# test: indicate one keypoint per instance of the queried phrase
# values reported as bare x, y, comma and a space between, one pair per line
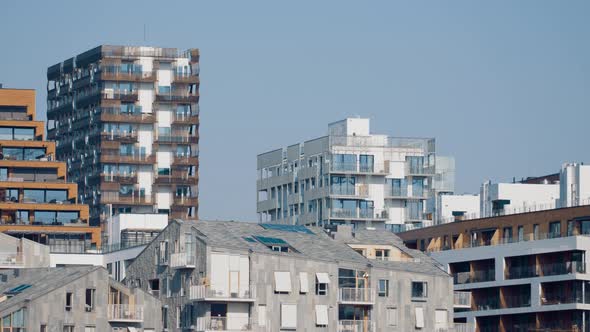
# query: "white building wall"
465, 203
522, 196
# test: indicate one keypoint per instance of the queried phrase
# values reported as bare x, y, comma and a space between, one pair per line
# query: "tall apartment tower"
349, 177
126, 120
36, 202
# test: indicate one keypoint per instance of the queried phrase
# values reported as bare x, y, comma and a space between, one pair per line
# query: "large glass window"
44, 196
342, 185
554, 229
44, 217
5, 133
24, 134
416, 164
23, 153
419, 289
417, 187
414, 210
343, 208
397, 187
67, 217
366, 163
34, 196
344, 162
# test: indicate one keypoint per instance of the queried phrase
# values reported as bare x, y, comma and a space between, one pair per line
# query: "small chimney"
343, 233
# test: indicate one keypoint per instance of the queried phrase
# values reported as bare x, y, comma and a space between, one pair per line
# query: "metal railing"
356, 326
464, 327
364, 295
380, 168
517, 301
570, 267
9, 259
125, 312
462, 299
182, 259
199, 292
475, 276
220, 323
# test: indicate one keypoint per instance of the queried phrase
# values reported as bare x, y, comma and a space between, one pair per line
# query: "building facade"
235, 276
349, 177
74, 299
36, 201
126, 120
521, 272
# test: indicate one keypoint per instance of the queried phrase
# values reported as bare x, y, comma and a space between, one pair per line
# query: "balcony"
122, 136
363, 296
186, 78
359, 214
223, 324
462, 299
185, 119
206, 293
475, 276
10, 260
126, 96
176, 178
464, 327
358, 168
519, 272
114, 114
119, 178
177, 97
357, 191
356, 326
114, 73
183, 260
416, 170
181, 138
125, 313
185, 161
134, 198
135, 157
563, 268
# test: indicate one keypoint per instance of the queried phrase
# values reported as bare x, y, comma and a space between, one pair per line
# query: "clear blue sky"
504, 86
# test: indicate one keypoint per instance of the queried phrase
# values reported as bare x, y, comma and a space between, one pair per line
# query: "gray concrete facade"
74, 299
200, 292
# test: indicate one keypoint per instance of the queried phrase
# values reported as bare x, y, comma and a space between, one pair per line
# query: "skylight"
275, 244
288, 228
18, 289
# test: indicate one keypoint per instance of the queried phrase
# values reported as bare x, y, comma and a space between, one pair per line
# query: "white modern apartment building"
574, 180
506, 198
352, 177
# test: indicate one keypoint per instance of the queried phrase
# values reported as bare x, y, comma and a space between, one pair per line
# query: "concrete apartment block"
74, 299
228, 276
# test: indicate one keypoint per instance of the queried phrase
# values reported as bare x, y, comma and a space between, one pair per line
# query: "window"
440, 319
178, 310
282, 282
43, 328
90, 293
68, 328
366, 163
419, 313
554, 229
382, 254
383, 289
392, 316
303, 283
507, 234
90, 329
288, 316
69, 301
520, 233
322, 281
536, 231
262, 315
165, 317
321, 315
14, 322
419, 289
154, 285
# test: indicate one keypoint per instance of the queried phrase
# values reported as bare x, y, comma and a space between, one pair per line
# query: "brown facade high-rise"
36, 202
126, 119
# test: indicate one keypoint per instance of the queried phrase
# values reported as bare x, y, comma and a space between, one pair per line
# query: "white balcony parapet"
356, 326
462, 299
182, 260
207, 293
356, 295
125, 313
223, 324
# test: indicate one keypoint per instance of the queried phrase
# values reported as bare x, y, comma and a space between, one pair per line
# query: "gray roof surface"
42, 281
316, 246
